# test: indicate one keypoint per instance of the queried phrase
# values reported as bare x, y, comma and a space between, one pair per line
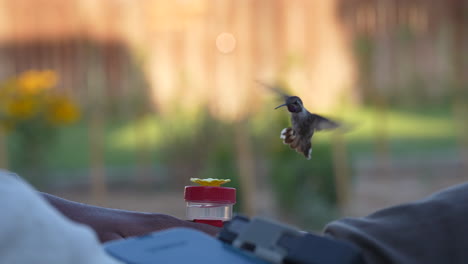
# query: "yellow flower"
33, 82
7, 88
21, 108
6, 125
61, 110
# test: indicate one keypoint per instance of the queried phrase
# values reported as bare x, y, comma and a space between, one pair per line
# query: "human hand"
117, 224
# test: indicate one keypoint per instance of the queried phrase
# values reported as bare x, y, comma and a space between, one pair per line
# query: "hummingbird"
304, 124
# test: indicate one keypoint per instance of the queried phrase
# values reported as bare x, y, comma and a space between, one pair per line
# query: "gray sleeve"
432, 230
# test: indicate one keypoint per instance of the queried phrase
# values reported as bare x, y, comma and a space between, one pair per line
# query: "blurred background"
120, 102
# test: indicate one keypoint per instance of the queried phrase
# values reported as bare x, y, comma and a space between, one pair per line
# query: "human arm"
431, 230
110, 224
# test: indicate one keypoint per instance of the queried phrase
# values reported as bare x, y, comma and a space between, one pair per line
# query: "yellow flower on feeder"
210, 181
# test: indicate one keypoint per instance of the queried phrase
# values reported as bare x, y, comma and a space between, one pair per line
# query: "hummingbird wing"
274, 88
322, 123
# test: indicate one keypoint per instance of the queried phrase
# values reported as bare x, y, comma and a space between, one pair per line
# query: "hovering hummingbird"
304, 124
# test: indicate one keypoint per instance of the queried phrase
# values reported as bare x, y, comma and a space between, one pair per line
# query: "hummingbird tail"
306, 149
309, 153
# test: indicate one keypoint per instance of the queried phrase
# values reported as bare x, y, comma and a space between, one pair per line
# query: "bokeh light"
226, 42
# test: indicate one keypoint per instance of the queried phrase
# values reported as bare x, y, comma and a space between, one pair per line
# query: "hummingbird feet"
289, 137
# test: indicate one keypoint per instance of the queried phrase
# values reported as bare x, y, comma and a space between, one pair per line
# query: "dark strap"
280, 243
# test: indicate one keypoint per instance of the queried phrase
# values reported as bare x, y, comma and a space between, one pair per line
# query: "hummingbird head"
293, 103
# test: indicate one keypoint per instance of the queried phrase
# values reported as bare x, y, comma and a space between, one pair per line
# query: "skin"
110, 224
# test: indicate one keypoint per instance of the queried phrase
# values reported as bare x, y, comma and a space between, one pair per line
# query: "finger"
208, 229
108, 236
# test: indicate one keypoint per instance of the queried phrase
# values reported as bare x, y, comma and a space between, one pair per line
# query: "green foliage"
300, 182
290, 172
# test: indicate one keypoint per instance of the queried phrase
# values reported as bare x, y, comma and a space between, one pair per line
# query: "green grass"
408, 132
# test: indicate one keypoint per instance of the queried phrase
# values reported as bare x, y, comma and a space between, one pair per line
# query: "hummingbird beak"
281, 106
